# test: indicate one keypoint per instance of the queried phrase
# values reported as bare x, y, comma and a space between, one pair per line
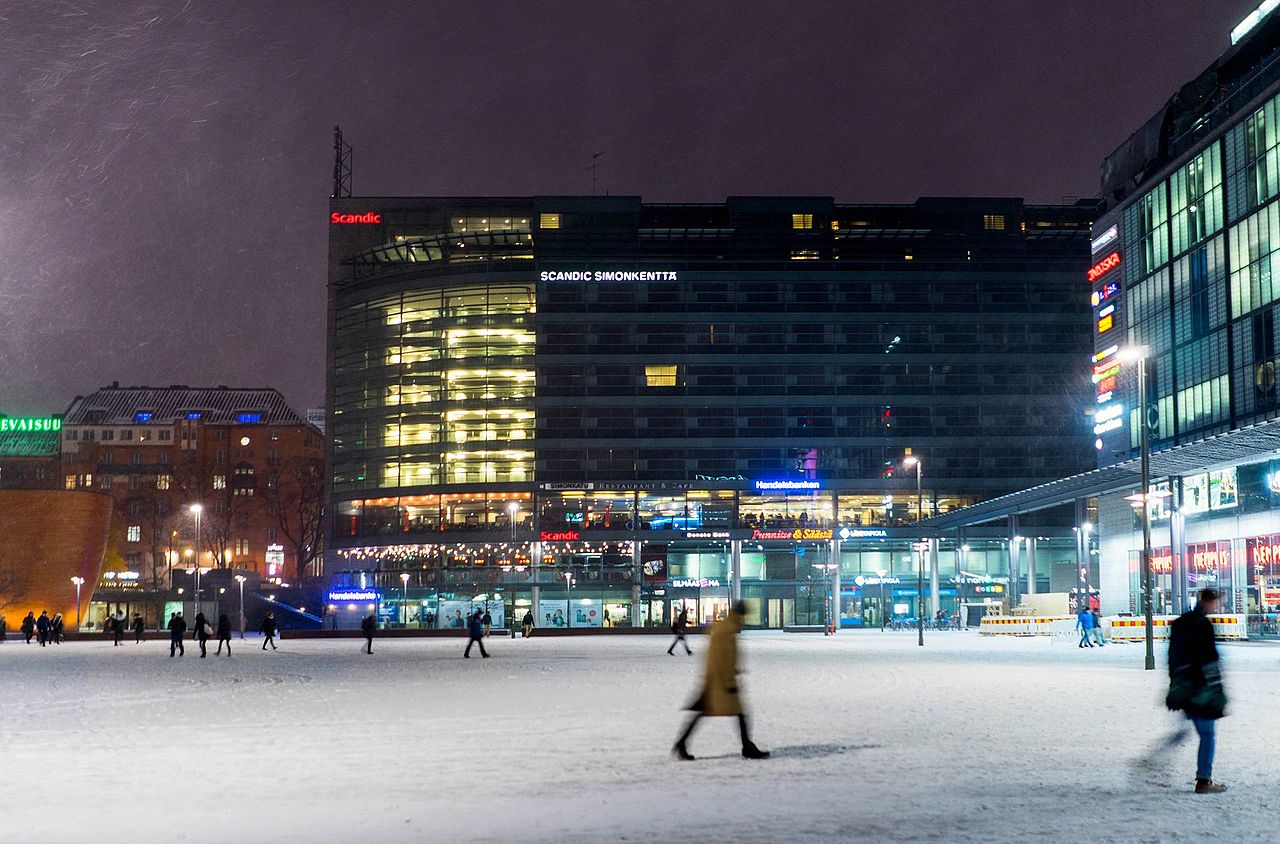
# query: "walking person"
29, 627
268, 631
1084, 623
527, 623
118, 626
177, 629
224, 634
56, 627
202, 634
139, 627
476, 635
678, 627
1195, 683
1097, 627
488, 622
42, 628
720, 695
367, 626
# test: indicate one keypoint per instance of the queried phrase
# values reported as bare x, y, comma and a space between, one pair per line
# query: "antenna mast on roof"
341, 164
595, 162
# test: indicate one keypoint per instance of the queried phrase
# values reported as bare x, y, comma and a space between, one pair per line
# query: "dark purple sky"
165, 168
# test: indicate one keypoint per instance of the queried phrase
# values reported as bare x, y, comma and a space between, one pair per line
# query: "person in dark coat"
268, 631
476, 635
224, 633
42, 627
720, 695
201, 634
368, 626
29, 627
56, 627
527, 623
679, 627
488, 622
1195, 682
117, 626
139, 627
177, 629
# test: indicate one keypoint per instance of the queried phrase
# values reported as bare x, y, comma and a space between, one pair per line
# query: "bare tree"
13, 586
294, 492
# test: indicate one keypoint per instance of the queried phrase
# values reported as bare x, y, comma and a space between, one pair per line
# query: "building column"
637, 572
1014, 563
935, 603
735, 570
833, 623
1031, 565
1178, 549
536, 553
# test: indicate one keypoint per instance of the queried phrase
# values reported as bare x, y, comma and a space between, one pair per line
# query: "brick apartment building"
252, 464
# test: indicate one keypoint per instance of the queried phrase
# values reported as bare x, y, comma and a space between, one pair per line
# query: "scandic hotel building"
606, 410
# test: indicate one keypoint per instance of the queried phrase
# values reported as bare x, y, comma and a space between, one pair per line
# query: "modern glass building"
603, 410
1185, 270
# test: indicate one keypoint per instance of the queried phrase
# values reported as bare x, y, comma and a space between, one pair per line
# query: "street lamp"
915, 461
196, 510
568, 599
78, 581
1138, 355
404, 580
240, 579
513, 509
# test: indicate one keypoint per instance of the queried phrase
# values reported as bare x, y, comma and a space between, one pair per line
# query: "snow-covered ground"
567, 740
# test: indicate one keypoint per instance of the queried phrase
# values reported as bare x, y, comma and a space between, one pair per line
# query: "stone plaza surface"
568, 740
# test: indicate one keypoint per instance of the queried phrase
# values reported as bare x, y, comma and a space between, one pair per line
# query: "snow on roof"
117, 405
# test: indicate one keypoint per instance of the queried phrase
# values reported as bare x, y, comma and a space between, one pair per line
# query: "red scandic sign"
559, 536
1104, 266
337, 217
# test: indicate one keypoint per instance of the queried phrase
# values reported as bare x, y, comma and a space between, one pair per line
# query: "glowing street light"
78, 581
196, 510
404, 580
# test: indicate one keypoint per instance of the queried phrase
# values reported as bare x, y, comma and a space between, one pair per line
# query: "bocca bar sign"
339, 218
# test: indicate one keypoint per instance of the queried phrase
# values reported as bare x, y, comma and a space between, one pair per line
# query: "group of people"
1089, 625
44, 629
204, 631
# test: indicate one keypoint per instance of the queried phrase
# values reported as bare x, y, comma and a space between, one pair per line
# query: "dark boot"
1209, 787
750, 751
682, 752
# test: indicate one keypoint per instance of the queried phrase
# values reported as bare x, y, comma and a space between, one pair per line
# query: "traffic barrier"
1134, 628
1010, 625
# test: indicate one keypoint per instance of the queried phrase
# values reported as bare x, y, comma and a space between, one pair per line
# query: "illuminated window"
993, 222
548, 221
70, 482
134, 534
660, 375
219, 481
801, 221
162, 481
804, 255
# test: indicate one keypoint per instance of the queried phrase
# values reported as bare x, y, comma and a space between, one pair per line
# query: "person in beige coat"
720, 695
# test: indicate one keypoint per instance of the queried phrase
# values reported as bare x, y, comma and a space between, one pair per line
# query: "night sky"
165, 168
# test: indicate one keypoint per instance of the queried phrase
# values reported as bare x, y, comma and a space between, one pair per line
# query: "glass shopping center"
604, 411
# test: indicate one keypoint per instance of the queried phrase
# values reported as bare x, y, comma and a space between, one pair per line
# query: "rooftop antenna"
341, 164
595, 162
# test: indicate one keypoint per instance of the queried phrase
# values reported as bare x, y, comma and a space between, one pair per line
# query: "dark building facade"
601, 409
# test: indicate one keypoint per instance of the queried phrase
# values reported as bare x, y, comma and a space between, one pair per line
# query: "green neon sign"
30, 424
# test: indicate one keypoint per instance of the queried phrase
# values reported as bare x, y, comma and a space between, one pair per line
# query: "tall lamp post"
881, 573
240, 579
404, 580
915, 461
78, 581
196, 510
513, 509
1138, 354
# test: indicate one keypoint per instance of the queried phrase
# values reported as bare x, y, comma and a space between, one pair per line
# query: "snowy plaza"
568, 739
